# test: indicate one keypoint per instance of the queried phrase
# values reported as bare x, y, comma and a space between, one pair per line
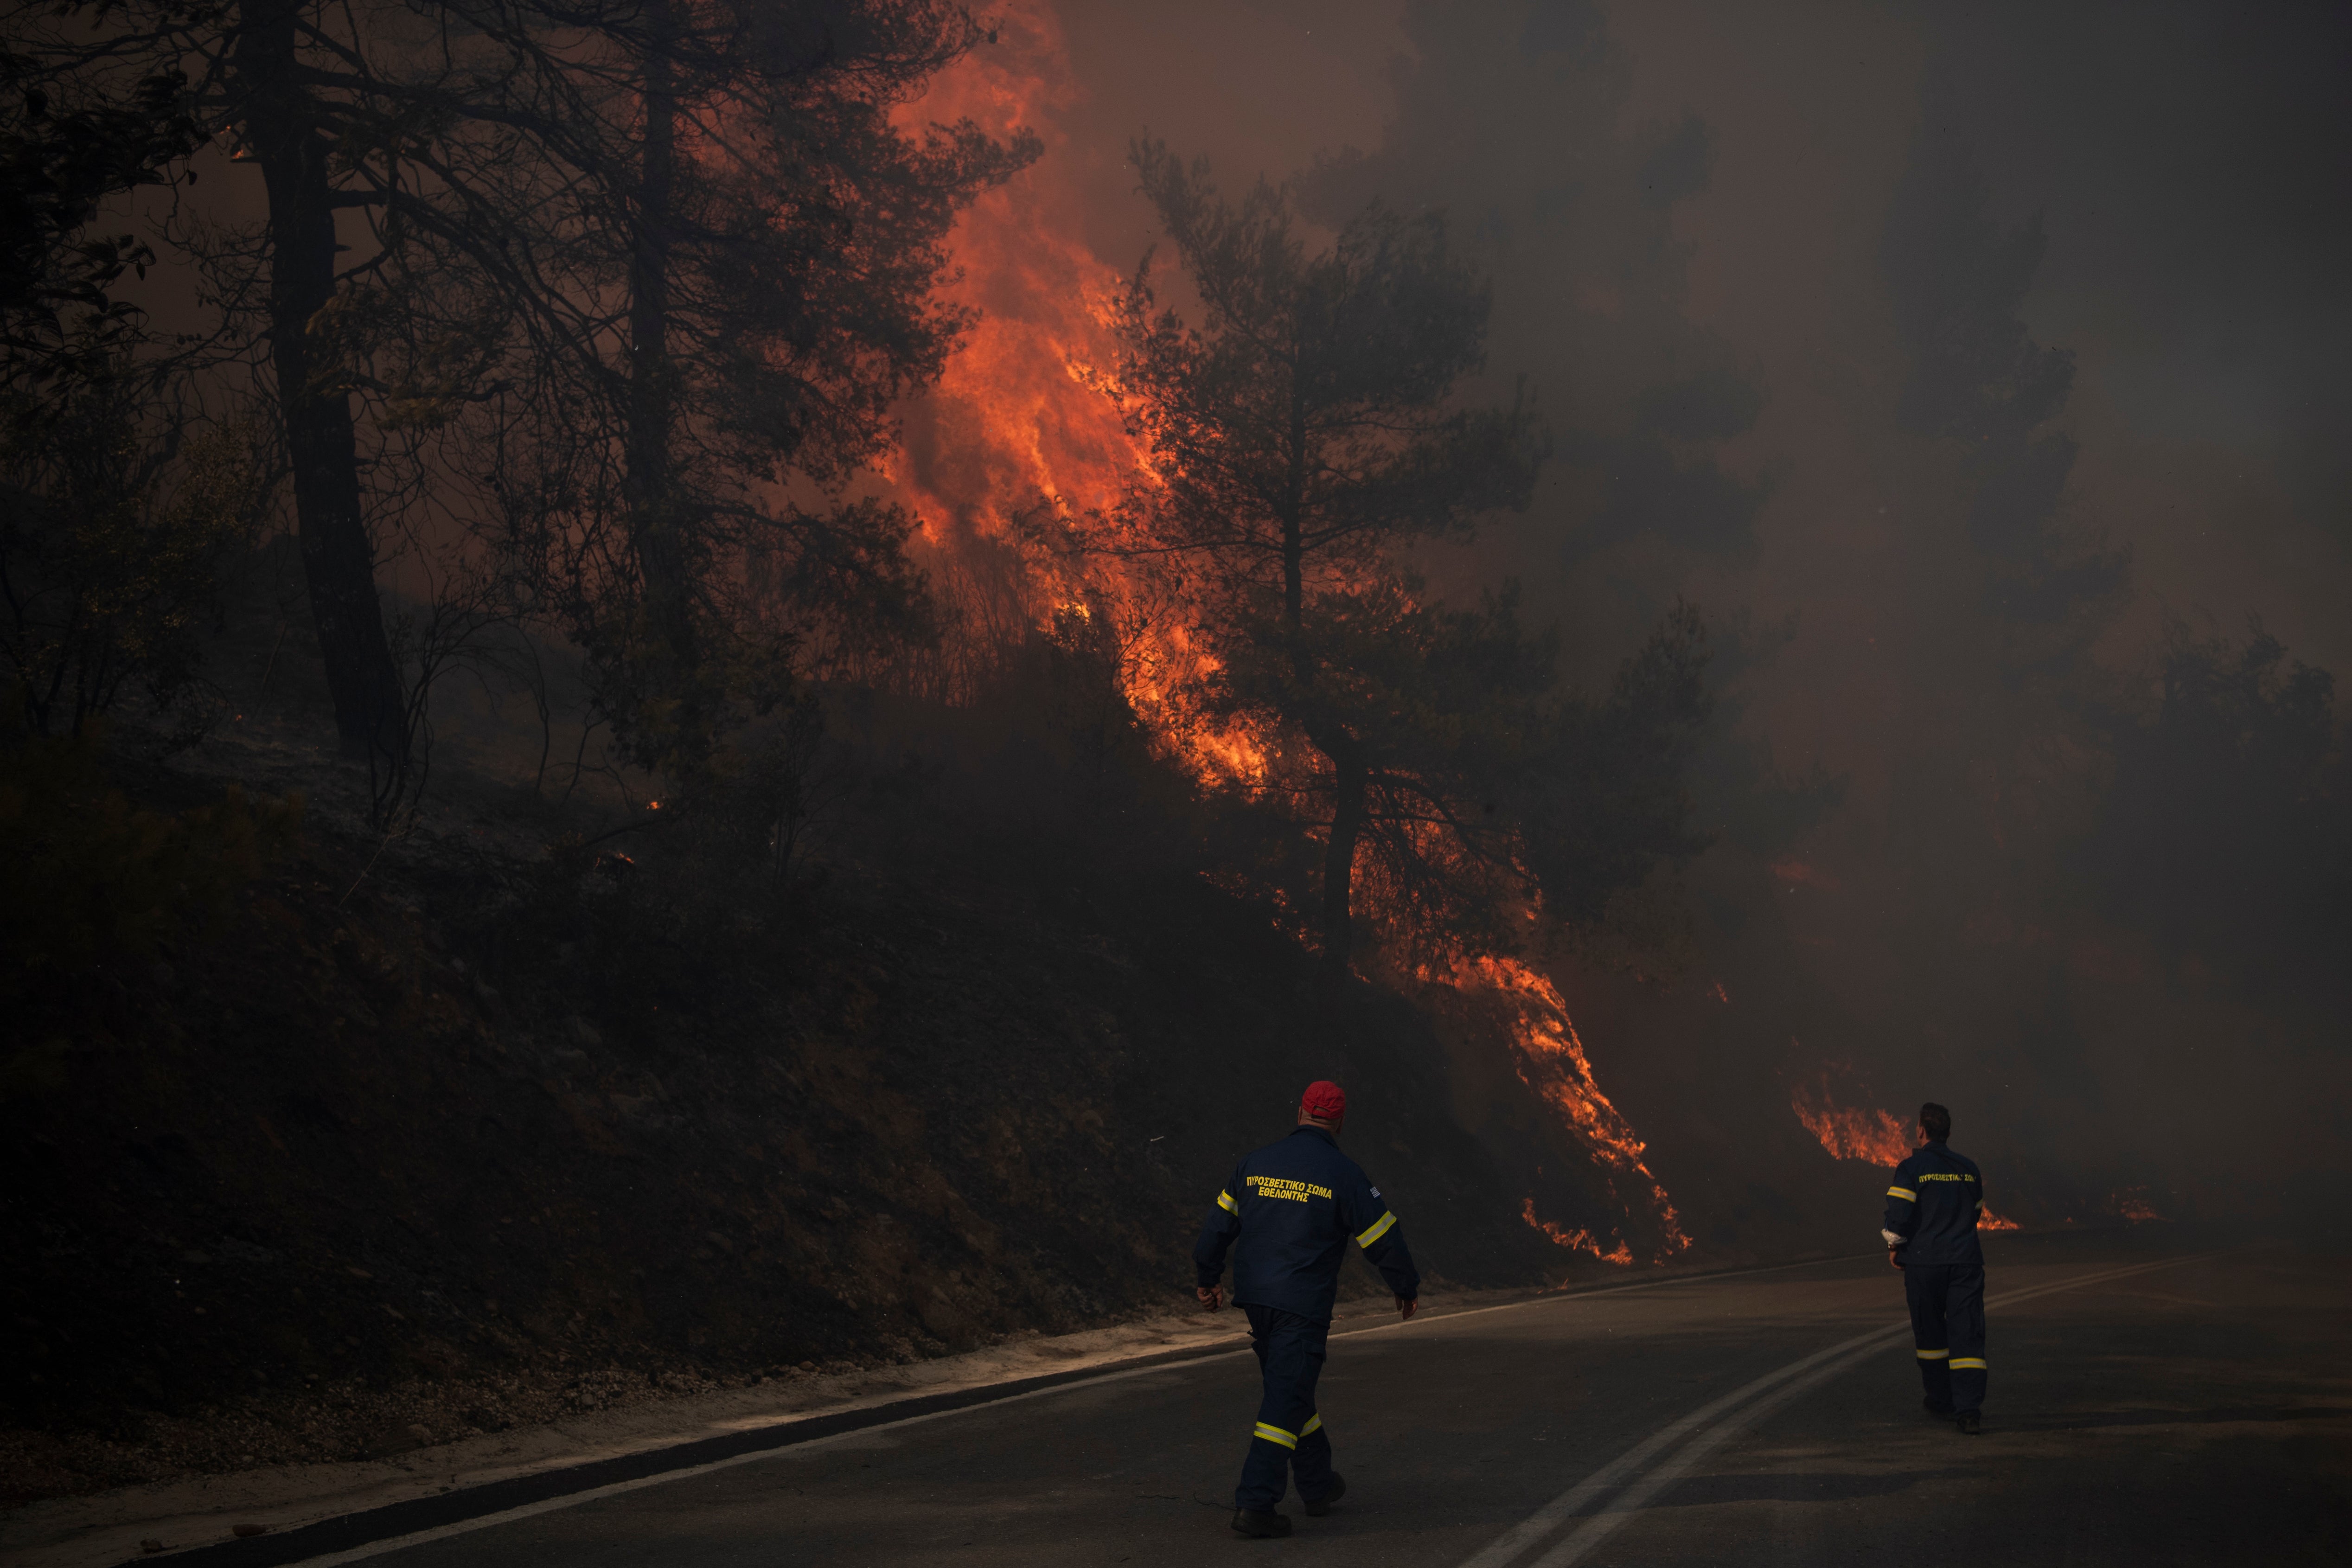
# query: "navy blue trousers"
1289, 1442
1947, 1328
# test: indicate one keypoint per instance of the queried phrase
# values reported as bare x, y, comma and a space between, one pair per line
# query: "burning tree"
1298, 442
730, 184
604, 299
702, 256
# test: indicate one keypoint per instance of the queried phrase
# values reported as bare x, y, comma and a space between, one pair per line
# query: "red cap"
1324, 1101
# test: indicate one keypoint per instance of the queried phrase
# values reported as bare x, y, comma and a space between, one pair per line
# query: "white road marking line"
1547, 1519
572, 1500
1639, 1495
1745, 1406
1560, 1299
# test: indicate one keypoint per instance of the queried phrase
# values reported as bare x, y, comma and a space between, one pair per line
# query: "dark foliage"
1978, 379
61, 157
1511, 119
113, 537
87, 878
2228, 829
1302, 437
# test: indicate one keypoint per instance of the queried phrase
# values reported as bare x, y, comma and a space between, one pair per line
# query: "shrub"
85, 876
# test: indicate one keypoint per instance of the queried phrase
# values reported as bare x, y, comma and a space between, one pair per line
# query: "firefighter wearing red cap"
1293, 1206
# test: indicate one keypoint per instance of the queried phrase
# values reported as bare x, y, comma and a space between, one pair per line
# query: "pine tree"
1302, 439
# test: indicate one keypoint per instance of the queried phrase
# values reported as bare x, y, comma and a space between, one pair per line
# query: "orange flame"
1013, 422
1575, 1241
1009, 420
1849, 1134
2132, 1207
1553, 1064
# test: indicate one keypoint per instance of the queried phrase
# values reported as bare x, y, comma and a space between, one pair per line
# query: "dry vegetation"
477, 1125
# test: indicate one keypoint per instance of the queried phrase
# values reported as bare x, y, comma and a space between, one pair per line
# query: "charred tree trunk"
1339, 859
323, 450
1328, 736
655, 525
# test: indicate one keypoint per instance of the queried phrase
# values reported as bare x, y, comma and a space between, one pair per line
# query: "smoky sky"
2190, 161
1686, 207
2187, 163
2180, 159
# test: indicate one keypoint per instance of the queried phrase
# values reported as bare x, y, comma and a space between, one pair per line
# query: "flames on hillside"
1849, 1132
1553, 1063
1865, 1133
1013, 431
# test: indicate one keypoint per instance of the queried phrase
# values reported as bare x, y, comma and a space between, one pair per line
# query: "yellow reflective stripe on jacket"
1959, 1362
1276, 1435
1906, 1194
1935, 1355
1225, 1201
1379, 1228
1314, 1424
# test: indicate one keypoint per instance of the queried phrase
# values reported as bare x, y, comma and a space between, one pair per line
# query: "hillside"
455, 1132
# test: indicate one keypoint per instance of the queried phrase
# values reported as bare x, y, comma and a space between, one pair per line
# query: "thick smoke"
1971, 369
1514, 121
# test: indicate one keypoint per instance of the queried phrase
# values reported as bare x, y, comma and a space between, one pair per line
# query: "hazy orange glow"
2132, 1207
1848, 1132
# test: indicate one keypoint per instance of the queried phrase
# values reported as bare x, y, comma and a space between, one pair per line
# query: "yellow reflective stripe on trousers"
1906, 1194
1276, 1435
1379, 1228
1225, 1201
1962, 1362
1314, 1424
1935, 1355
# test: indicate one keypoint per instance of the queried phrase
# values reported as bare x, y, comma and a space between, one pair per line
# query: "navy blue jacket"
1295, 1206
1933, 1206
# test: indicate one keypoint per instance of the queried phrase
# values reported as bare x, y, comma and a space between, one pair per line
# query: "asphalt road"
2150, 1405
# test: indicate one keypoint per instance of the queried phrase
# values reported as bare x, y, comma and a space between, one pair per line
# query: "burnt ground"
443, 1135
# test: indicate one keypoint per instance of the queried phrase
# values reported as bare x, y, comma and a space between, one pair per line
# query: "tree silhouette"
1301, 438
614, 287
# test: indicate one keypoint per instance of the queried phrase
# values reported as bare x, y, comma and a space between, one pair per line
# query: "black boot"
1967, 1422
1941, 1412
1261, 1521
1317, 1507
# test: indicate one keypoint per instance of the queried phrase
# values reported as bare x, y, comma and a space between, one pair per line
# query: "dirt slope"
441, 1138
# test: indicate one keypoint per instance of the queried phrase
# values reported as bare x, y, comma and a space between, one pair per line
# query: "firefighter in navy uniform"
1931, 1235
1295, 1206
